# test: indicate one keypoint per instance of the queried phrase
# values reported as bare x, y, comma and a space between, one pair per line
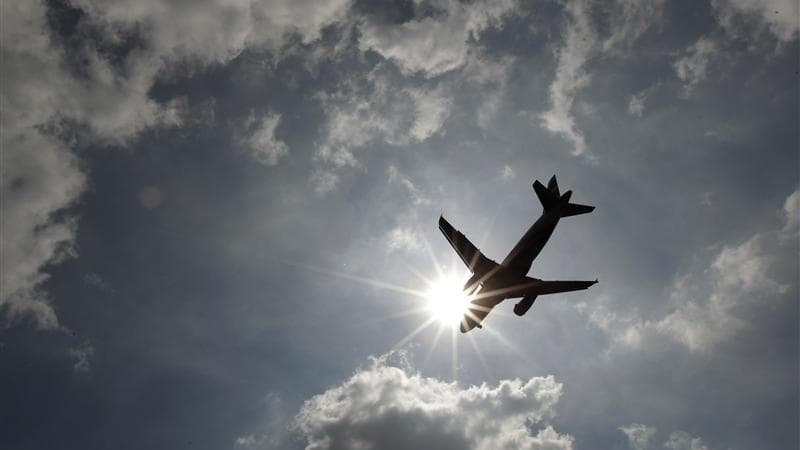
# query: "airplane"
491, 283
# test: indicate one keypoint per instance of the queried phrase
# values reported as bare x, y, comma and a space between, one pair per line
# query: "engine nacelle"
524, 305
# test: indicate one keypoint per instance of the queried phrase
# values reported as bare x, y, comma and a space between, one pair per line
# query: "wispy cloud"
638, 435
692, 68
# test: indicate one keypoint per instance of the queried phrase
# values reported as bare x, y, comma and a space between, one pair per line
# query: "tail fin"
552, 186
547, 198
551, 198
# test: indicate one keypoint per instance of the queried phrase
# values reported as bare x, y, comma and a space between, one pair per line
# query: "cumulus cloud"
692, 68
436, 43
638, 435
261, 142
681, 440
389, 407
710, 305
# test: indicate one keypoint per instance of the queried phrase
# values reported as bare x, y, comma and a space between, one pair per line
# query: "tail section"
551, 199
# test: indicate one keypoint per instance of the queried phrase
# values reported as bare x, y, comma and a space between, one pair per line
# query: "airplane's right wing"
472, 257
542, 287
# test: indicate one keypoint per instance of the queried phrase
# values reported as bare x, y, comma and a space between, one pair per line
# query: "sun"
446, 301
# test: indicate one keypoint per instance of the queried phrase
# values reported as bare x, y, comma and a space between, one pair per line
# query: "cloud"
90, 82
405, 239
638, 435
692, 68
431, 108
98, 282
261, 141
323, 181
507, 173
629, 21
376, 109
779, 16
81, 357
416, 195
791, 214
571, 76
711, 304
437, 43
681, 440
389, 407
636, 103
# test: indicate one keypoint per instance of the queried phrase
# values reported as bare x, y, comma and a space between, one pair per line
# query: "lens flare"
446, 301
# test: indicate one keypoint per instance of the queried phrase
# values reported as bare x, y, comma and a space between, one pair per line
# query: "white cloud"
693, 67
629, 20
324, 181
45, 92
791, 214
405, 239
507, 173
681, 440
709, 306
81, 356
434, 44
638, 435
636, 103
571, 76
779, 16
431, 108
374, 109
391, 408
261, 141
417, 197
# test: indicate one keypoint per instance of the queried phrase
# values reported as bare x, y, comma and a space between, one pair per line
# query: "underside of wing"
542, 287
472, 257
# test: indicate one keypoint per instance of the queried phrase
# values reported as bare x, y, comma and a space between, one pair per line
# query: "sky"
219, 223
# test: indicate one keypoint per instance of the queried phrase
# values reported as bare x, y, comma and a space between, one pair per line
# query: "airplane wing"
472, 257
477, 310
542, 287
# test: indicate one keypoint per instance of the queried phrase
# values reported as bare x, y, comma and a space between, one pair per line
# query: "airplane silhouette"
491, 283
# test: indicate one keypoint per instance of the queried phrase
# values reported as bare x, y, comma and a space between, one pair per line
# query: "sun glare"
446, 301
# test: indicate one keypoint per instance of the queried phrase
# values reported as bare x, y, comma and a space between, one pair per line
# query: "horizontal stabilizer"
573, 209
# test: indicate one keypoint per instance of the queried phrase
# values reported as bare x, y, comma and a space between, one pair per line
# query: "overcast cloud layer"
214, 217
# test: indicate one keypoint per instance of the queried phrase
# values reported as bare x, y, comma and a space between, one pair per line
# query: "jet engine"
524, 305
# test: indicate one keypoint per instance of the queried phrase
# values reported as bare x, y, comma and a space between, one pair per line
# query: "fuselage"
508, 279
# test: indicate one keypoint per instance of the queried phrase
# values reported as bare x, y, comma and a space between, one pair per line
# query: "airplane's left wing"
472, 257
